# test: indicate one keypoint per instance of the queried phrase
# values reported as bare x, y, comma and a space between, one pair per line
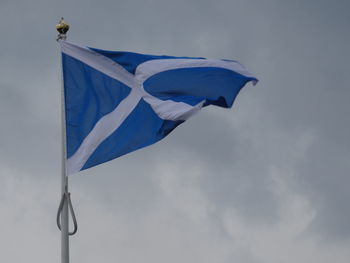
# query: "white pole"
64, 188
62, 28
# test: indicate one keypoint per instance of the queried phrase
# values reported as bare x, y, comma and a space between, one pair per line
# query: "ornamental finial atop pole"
62, 27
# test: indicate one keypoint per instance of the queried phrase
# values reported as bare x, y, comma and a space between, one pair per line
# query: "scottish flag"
118, 102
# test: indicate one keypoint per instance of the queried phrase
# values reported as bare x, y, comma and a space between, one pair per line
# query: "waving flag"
118, 102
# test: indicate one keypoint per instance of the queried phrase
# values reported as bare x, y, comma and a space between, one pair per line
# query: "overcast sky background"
267, 181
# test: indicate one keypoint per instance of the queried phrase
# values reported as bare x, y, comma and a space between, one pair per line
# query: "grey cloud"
257, 183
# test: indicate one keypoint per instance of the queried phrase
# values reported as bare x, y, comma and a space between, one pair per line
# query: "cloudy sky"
266, 181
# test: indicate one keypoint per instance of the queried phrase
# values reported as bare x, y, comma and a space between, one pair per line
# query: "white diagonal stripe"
100, 63
103, 128
149, 68
171, 110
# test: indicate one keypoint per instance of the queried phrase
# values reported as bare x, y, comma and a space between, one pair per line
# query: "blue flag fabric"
118, 102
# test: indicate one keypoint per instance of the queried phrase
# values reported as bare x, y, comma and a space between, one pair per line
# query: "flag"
118, 102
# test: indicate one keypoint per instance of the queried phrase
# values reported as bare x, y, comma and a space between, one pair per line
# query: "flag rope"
66, 196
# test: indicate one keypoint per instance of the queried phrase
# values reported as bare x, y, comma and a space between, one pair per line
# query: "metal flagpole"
65, 204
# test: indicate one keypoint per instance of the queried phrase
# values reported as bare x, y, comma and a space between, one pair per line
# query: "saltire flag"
118, 102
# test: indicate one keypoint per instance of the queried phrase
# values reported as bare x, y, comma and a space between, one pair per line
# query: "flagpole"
62, 28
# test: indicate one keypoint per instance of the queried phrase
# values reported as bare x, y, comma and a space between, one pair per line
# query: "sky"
264, 182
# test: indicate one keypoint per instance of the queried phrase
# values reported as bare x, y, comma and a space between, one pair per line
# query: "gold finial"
62, 27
